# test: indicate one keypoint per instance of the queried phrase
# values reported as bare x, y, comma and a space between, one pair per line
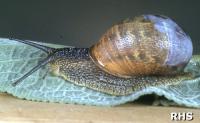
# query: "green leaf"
16, 59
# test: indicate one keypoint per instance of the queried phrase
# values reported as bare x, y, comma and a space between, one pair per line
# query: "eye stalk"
46, 49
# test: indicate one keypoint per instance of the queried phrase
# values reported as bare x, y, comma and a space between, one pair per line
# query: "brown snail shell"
145, 45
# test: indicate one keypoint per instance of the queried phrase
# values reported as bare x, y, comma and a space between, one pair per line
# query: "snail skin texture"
147, 50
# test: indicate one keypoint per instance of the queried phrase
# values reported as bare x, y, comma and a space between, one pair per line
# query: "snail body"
145, 51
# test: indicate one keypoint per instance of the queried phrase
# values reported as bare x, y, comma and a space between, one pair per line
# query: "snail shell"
145, 45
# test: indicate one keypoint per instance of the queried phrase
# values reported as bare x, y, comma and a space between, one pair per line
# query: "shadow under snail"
147, 50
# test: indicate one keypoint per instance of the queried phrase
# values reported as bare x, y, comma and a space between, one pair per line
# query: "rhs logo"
181, 116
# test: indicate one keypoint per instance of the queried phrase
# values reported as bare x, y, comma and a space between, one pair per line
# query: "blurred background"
80, 23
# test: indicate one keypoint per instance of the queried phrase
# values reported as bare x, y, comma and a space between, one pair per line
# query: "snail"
147, 50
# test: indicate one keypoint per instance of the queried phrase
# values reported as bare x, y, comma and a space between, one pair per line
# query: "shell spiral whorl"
145, 45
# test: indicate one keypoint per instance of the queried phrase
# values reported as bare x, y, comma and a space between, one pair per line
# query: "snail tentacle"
37, 67
46, 49
49, 58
